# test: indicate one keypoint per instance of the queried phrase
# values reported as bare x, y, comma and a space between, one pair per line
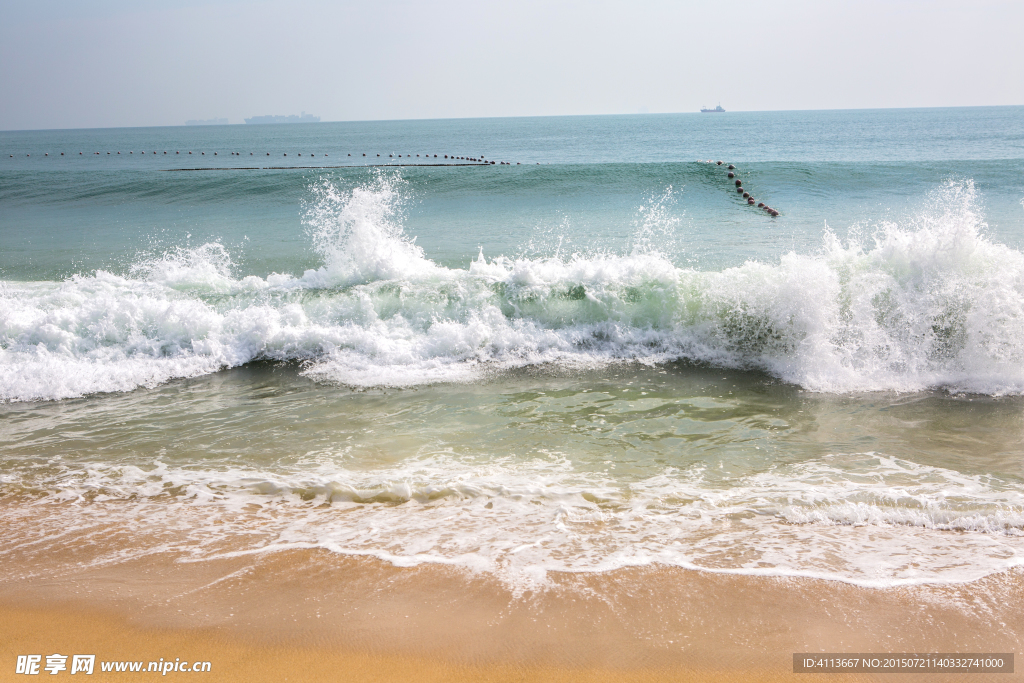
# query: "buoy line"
733, 172
289, 168
479, 160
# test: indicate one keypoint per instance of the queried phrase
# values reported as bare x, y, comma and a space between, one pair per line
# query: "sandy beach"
238, 659
314, 615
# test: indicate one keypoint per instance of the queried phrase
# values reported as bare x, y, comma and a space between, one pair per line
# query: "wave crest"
928, 305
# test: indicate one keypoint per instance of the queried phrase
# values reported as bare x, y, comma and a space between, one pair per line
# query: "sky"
106, 63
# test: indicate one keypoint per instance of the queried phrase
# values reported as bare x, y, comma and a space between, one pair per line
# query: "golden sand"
313, 615
77, 631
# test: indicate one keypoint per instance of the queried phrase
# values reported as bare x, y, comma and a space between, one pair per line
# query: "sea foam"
929, 304
866, 519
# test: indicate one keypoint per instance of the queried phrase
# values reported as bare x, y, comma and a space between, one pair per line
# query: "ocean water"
595, 355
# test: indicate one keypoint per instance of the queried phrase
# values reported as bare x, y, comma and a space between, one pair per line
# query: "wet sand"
238, 659
315, 615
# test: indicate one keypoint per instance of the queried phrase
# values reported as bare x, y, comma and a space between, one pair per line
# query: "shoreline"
263, 616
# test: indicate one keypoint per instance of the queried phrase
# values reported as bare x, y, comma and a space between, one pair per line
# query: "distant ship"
305, 118
705, 110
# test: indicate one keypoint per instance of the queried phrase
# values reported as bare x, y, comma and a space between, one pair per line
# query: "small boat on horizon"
716, 110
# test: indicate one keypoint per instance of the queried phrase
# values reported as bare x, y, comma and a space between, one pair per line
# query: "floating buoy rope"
750, 199
480, 159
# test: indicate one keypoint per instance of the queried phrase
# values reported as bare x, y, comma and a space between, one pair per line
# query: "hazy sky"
70, 64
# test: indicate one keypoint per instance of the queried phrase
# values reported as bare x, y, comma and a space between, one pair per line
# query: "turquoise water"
596, 355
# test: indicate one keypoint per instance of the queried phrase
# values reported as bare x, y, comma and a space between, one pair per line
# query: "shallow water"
532, 471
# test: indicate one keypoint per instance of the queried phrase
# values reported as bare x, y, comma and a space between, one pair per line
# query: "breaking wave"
932, 304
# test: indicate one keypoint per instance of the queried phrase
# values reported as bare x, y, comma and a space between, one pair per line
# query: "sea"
523, 346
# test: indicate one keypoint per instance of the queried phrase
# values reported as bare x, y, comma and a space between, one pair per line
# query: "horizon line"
531, 116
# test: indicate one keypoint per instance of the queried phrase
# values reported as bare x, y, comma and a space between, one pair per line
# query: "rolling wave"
927, 305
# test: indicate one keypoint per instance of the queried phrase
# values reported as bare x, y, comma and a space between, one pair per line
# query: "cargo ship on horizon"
304, 118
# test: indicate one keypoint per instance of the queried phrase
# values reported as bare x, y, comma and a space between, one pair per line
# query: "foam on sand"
865, 519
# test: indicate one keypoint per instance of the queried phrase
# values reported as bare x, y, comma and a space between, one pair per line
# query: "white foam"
866, 519
359, 234
923, 306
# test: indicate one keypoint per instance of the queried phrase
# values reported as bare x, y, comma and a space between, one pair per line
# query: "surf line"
746, 195
289, 168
